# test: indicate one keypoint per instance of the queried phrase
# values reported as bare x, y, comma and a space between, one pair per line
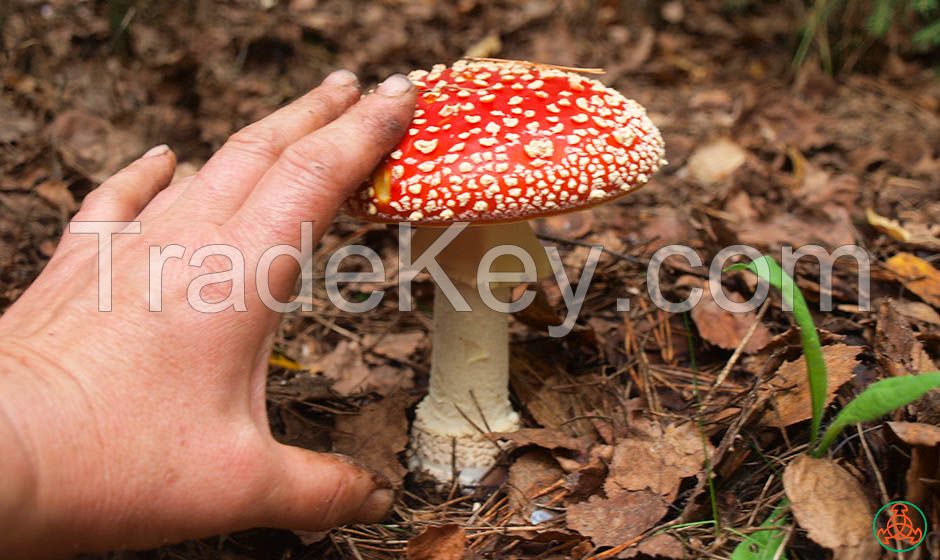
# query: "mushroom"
495, 144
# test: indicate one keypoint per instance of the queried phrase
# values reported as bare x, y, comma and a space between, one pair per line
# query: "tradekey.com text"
241, 280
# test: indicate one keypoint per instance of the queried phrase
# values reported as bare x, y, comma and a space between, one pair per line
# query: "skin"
132, 428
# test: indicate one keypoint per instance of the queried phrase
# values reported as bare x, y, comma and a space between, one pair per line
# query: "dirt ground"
620, 411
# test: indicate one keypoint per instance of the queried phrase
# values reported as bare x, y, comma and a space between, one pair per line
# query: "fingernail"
376, 506
394, 85
341, 78
156, 151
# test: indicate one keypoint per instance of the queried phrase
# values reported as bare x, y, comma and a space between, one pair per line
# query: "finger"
226, 179
317, 173
318, 491
124, 195
164, 200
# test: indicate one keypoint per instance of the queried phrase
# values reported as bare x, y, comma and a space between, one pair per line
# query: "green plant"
842, 30
767, 269
878, 399
764, 543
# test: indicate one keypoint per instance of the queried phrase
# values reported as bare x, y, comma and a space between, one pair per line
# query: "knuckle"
322, 104
256, 140
313, 162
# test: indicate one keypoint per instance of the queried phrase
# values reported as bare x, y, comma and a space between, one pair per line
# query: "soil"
760, 152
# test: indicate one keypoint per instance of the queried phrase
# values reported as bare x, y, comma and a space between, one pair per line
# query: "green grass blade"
763, 545
879, 399
767, 269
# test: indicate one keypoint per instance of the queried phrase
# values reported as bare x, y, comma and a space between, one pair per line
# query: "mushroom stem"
469, 390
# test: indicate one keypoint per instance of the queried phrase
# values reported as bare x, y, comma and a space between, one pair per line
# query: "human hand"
133, 428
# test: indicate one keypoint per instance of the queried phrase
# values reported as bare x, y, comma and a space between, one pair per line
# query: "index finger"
316, 174
224, 182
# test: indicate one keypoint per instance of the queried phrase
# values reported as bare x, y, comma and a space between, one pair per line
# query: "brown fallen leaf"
790, 402
658, 546
397, 346
918, 276
446, 542
585, 479
924, 467
570, 225
918, 311
351, 375
902, 232
530, 478
618, 518
896, 346
542, 437
786, 229
376, 435
716, 161
57, 193
91, 145
916, 433
830, 505
724, 328
899, 352
658, 460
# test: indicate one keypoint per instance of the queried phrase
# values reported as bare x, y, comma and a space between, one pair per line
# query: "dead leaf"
658, 460
446, 542
899, 352
542, 437
925, 458
585, 479
568, 225
351, 375
896, 347
909, 233
91, 145
57, 193
918, 276
376, 436
529, 477
919, 311
831, 506
397, 346
714, 162
916, 433
777, 230
887, 226
622, 516
659, 546
724, 328
791, 401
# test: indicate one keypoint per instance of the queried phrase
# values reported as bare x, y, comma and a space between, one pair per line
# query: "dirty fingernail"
340, 78
376, 506
396, 84
156, 151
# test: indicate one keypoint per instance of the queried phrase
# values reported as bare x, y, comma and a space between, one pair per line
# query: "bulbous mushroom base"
443, 456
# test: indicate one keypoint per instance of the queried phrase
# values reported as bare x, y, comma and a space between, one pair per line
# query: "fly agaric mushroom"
496, 143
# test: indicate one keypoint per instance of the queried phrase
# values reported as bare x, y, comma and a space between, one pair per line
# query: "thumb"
317, 491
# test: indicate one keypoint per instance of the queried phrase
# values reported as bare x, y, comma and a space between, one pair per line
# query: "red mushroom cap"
503, 141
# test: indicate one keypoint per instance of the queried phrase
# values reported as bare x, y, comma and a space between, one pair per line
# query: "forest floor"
650, 434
